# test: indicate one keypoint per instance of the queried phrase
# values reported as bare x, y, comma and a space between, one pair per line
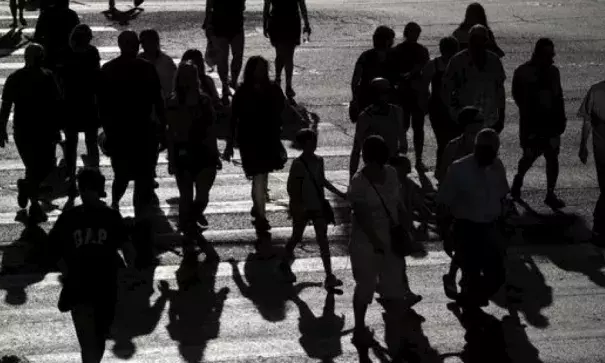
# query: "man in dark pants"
224, 23
592, 111
473, 195
408, 59
86, 240
539, 96
130, 92
35, 94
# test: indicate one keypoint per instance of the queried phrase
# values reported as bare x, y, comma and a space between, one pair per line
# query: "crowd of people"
145, 103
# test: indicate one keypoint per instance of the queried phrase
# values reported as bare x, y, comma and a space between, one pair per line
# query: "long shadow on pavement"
264, 287
491, 340
405, 338
25, 257
195, 308
320, 335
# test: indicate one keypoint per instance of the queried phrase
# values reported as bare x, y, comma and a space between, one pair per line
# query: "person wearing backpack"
193, 150
306, 183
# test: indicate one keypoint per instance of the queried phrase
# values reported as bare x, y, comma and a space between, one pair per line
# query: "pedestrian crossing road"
240, 312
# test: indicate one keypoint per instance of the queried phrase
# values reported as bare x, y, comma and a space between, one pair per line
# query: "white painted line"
303, 265
226, 207
337, 151
102, 50
107, 50
26, 16
96, 29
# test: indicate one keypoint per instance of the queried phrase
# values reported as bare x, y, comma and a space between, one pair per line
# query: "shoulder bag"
402, 243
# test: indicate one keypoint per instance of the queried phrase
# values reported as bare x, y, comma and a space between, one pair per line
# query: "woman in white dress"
373, 262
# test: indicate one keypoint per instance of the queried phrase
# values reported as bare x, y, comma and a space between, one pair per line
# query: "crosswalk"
248, 331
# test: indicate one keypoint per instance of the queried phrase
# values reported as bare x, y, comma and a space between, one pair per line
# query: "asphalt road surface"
244, 314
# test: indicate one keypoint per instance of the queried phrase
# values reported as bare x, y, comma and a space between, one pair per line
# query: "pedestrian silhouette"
475, 15
53, 31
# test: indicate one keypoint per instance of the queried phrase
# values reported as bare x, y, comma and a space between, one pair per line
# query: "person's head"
471, 120
383, 38
487, 145
195, 56
34, 55
187, 83
91, 184
475, 14
128, 41
381, 90
80, 37
307, 140
256, 71
412, 31
478, 37
544, 52
60, 4
375, 151
150, 41
448, 47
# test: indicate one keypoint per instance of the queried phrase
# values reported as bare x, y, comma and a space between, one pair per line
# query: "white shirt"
473, 193
466, 85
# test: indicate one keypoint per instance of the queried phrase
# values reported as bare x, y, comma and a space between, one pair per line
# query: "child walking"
306, 183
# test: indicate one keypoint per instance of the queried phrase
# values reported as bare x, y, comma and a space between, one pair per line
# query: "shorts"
547, 146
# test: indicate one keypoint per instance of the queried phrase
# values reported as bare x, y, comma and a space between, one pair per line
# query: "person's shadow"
12, 41
519, 347
265, 288
28, 257
297, 117
195, 308
405, 338
320, 336
135, 316
123, 18
485, 339
526, 290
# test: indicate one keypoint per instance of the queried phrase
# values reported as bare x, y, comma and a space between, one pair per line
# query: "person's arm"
40, 28
326, 183
585, 112
305, 16
294, 184
446, 197
500, 97
427, 75
56, 245
5, 109
518, 88
561, 117
208, 16
158, 100
450, 87
266, 16
360, 129
493, 45
401, 131
357, 74
446, 160
233, 123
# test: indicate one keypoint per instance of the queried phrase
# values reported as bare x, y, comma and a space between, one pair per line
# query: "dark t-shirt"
372, 65
53, 30
129, 90
80, 77
35, 94
88, 239
406, 56
228, 17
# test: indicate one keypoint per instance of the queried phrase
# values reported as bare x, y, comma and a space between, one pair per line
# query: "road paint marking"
96, 29
225, 269
327, 151
26, 16
102, 50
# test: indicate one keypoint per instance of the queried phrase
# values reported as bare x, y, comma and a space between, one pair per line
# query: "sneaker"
22, 20
37, 215
554, 202
22, 199
332, 282
138, 3
202, 221
14, 24
290, 94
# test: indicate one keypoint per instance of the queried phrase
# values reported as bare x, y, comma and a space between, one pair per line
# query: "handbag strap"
386, 209
317, 189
